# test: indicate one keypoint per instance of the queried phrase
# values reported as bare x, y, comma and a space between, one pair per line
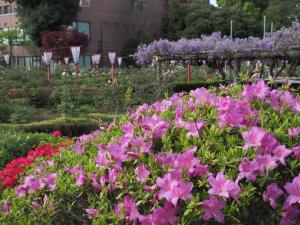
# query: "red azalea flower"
57, 134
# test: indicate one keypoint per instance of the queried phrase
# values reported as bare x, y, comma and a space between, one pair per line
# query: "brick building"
108, 23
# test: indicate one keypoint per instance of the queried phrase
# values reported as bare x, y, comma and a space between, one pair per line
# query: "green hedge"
68, 126
71, 127
187, 87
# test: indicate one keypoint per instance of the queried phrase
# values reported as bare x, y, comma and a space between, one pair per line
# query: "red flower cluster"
9, 175
57, 134
43, 151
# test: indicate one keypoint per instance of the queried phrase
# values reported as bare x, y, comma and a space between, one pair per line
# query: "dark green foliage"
38, 16
187, 87
192, 21
22, 114
130, 48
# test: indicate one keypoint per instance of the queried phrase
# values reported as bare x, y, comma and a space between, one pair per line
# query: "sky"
214, 2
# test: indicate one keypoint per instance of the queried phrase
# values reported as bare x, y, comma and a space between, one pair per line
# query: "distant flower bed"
228, 155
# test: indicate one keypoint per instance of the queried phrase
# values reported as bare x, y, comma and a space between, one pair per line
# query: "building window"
5, 9
85, 3
84, 27
1, 10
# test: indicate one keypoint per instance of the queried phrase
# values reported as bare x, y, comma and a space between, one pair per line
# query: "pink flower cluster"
37, 181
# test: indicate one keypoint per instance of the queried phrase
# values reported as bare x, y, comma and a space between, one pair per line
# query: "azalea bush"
229, 155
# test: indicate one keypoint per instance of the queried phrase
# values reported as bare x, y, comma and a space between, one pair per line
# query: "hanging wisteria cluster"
219, 46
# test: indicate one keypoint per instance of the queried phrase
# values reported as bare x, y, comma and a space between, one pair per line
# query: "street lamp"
112, 59
47, 57
76, 54
96, 61
6, 59
120, 60
67, 60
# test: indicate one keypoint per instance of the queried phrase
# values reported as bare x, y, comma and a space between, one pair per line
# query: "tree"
283, 12
131, 47
39, 16
173, 20
9, 38
198, 21
59, 42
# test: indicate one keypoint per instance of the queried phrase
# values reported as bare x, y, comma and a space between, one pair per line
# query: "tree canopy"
200, 18
39, 16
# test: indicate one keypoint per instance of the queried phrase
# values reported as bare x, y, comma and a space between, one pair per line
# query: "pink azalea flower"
138, 145
33, 184
296, 151
294, 191
128, 129
223, 187
117, 153
290, 215
21, 191
179, 112
239, 114
272, 193
268, 144
265, 162
294, 132
280, 153
92, 213
187, 162
5, 207
247, 169
142, 173
166, 160
253, 137
173, 189
79, 174
131, 209
78, 148
202, 96
150, 188
102, 160
95, 181
194, 128
213, 208
154, 127
50, 180
161, 216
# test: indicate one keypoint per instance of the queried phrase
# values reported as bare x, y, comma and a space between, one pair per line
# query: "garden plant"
227, 155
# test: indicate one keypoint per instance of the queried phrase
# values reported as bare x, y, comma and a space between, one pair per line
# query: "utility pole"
231, 29
265, 20
272, 27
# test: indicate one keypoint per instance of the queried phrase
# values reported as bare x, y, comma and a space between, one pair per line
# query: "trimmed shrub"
68, 126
